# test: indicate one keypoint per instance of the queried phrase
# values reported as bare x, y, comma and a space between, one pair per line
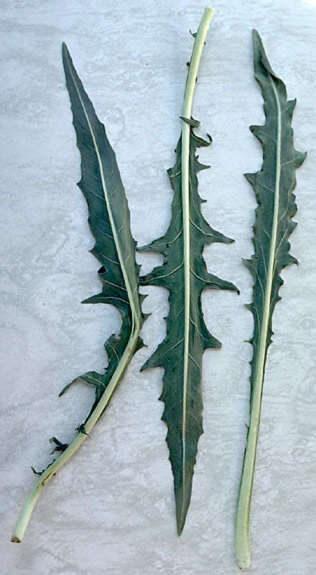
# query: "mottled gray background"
111, 510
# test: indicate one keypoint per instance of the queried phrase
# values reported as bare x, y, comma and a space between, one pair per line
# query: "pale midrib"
258, 381
187, 293
185, 190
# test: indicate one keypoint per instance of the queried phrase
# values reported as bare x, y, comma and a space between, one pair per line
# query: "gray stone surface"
111, 509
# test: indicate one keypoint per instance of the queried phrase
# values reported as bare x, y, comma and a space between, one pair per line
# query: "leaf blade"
184, 274
273, 186
109, 222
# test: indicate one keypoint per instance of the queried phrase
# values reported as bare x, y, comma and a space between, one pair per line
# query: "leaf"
109, 221
114, 248
185, 275
273, 186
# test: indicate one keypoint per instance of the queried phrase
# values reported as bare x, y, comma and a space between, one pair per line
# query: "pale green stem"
33, 497
185, 186
242, 530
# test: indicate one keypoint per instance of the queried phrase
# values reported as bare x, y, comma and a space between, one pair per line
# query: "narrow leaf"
273, 186
109, 221
114, 248
185, 275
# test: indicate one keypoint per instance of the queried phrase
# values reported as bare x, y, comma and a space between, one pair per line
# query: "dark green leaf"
115, 249
273, 186
185, 275
109, 221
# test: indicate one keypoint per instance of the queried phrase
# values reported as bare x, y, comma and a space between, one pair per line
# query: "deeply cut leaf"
273, 186
114, 247
109, 221
185, 275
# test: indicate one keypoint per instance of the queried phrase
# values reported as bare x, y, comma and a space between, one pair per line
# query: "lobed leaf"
185, 275
114, 248
273, 186
109, 221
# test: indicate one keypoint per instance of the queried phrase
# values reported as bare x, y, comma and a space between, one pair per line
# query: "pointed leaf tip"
182, 503
255, 34
180, 526
65, 51
181, 517
256, 41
